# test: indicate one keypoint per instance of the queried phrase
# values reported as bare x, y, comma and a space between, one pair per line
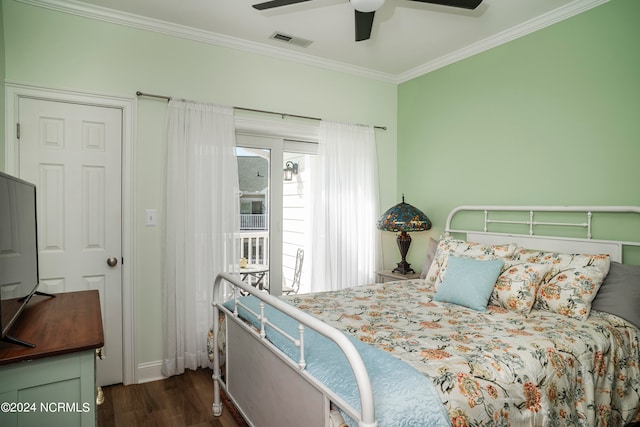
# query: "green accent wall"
550, 118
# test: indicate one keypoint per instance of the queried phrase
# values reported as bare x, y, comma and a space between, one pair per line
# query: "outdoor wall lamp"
290, 170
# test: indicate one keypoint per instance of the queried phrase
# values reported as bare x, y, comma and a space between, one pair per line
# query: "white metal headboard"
537, 241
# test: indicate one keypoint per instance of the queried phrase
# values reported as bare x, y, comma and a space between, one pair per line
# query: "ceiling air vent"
297, 41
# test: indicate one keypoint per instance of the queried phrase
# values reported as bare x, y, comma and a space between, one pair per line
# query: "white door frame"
13, 93
271, 134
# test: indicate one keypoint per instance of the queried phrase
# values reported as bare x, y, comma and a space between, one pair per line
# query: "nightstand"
383, 276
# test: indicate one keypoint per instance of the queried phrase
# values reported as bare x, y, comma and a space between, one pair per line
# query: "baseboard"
150, 371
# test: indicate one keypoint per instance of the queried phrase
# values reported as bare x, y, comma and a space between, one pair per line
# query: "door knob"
112, 261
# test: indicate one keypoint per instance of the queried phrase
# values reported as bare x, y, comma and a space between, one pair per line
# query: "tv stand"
56, 378
13, 340
44, 294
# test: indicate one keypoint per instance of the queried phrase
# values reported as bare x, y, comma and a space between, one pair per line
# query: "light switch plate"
150, 217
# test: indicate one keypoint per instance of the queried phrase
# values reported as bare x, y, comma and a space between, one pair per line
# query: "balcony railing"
254, 221
254, 246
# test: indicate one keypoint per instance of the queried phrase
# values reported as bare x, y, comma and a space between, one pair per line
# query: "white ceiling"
409, 38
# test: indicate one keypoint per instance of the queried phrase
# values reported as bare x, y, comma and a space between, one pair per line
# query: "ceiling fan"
365, 10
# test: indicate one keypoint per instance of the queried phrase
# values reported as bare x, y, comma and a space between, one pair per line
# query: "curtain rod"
283, 115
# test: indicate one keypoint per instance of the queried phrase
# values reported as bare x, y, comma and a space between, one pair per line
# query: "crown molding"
78, 8
99, 13
574, 8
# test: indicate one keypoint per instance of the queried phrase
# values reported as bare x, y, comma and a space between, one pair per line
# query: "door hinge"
18, 130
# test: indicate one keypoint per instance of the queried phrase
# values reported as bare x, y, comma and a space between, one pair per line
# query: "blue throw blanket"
403, 396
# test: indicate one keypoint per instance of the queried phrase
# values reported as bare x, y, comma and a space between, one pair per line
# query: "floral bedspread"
497, 367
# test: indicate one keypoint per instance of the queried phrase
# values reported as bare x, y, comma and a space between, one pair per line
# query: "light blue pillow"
469, 282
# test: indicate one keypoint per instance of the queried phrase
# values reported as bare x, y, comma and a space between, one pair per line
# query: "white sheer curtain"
345, 242
202, 214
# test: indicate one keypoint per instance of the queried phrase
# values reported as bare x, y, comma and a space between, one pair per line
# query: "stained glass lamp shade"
403, 218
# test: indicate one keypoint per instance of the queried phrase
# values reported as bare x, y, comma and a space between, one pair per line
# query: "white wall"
295, 220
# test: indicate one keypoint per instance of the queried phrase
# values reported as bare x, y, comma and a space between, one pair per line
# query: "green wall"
550, 118
2, 76
56, 50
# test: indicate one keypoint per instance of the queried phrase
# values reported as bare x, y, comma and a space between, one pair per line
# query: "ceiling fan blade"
465, 4
276, 3
364, 23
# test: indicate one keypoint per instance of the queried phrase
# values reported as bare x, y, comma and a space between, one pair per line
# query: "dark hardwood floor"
182, 400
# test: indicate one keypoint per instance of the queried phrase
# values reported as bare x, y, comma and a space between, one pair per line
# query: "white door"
72, 152
269, 148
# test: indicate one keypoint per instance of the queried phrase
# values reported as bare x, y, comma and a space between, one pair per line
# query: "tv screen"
18, 248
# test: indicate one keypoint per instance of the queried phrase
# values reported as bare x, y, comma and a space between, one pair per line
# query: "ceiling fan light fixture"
367, 5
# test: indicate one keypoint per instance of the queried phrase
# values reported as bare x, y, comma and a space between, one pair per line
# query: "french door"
275, 219
259, 170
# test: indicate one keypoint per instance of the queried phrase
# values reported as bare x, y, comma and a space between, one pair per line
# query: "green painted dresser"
52, 384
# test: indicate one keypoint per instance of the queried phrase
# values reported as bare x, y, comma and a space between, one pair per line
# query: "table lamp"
403, 218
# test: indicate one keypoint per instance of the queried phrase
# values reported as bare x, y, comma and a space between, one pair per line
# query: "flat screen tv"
19, 276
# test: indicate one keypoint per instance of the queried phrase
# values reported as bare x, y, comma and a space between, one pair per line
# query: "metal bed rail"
366, 418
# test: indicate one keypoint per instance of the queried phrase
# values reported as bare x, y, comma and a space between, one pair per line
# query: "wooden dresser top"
66, 323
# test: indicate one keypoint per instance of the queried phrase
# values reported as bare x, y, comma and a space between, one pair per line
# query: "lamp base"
403, 268
404, 241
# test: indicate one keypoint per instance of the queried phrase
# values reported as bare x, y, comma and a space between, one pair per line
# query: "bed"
505, 328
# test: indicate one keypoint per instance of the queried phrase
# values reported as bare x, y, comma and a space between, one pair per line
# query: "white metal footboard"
265, 384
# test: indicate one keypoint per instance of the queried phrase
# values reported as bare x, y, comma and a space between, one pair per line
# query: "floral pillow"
561, 260
450, 246
517, 284
573, 282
